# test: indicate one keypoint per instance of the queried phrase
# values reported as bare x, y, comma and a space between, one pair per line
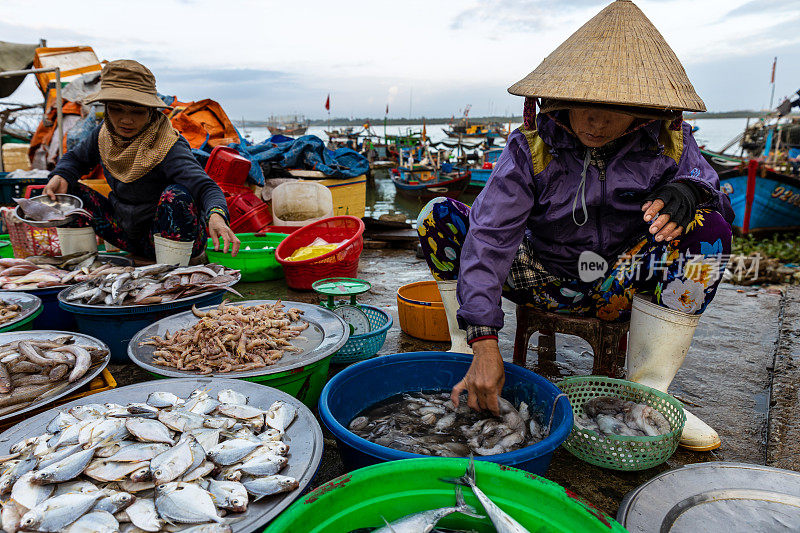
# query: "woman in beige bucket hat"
600, 196
157, 186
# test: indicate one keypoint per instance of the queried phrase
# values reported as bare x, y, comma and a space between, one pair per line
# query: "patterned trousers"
176, 219
682, 275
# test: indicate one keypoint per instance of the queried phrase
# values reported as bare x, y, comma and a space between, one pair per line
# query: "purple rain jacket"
531, 193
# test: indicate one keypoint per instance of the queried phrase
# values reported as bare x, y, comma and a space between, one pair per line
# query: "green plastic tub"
363, 498
256, 264
6, 250
31, 308
304, 383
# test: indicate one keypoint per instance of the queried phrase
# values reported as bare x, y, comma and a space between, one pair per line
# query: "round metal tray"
304, 436
108, 258
149, 307
28, 302
722, 496
64, 203
46, 335
326, 333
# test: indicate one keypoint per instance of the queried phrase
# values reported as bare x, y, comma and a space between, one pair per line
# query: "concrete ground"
742, 375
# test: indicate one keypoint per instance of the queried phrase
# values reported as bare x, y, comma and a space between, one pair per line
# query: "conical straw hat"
618, 57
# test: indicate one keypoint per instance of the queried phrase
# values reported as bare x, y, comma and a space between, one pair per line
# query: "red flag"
774, 61
328, 102
387, 109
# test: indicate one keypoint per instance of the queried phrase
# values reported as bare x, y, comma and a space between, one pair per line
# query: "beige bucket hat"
125, 80
617, 58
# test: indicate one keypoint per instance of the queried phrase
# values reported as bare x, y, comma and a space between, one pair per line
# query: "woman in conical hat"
601, 195
157, 186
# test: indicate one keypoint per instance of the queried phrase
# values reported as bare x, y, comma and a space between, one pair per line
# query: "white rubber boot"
458, 337
658, 342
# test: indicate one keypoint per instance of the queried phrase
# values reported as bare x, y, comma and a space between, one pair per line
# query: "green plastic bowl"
6, 250
257, 263
363, 498
304, 383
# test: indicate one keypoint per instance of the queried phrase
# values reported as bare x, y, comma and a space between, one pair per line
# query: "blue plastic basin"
53, 317
368, 382
116, 326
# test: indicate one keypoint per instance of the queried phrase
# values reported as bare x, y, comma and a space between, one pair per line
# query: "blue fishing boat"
421, 182
479, 176
763, 199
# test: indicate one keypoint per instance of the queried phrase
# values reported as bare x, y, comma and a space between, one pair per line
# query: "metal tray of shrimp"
326, 333
304, 436
67, 388
28, 304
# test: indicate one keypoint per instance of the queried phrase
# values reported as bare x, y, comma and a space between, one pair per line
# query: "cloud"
515, 15
761, 6
392, 94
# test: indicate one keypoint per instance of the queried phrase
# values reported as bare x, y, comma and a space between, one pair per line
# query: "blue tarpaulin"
307, 153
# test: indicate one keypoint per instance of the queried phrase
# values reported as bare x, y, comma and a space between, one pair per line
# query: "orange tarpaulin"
203, 119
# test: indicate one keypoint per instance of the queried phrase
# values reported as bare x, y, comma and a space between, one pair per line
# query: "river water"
381, 197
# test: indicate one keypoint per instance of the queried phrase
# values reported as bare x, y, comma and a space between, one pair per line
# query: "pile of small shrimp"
230, 338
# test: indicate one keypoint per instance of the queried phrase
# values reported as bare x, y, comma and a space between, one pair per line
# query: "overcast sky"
428, 57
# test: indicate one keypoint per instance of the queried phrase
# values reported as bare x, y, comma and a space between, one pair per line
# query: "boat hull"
776, 197
451, 188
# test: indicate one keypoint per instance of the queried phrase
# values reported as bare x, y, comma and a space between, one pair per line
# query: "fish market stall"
301, 372
39, 367
143, 454
45, 277
114, 306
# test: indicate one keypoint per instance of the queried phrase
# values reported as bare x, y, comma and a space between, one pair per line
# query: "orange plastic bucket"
422, 312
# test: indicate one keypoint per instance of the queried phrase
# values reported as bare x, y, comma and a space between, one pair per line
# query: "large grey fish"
172, 463
502, 522
29, 494
97, 521
147, 430
185, 503
67, 468
425, 521
10, 516
13, 472
140, 451
264, 465
114, 501
143, 515
231, 451
280, 415
228, 495
163, 399
58, 512
270, 485
231, 396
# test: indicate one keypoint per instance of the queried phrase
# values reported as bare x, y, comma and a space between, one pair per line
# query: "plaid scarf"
129, 159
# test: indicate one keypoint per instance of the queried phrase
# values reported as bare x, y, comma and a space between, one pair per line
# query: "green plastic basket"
617, 452
360, 347
257, 263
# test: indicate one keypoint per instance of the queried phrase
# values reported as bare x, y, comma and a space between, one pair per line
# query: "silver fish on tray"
104, 468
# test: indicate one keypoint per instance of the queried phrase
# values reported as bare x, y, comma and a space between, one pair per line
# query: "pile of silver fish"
230, 338
41, 212
32, 369
427, 520
429, 424
38, 272
8, 311
152, 284
611, 416
155, 466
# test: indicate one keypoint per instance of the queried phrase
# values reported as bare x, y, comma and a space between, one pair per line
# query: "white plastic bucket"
297, 203
169, 252
76, 240
658, 342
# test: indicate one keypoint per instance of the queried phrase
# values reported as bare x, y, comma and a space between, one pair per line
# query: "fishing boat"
463, 128
764, 199
422, 182
480, 175
291, 127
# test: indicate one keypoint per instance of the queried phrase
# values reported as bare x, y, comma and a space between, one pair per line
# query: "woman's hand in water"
56, 185
484, 379
219, 230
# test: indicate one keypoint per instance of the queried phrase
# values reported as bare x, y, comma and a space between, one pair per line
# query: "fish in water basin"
41, 212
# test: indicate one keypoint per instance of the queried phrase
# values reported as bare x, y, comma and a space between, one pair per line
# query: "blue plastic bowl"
53, 317
116, 326
368, 382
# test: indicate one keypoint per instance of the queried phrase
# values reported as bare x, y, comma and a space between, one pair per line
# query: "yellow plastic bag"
310, 252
